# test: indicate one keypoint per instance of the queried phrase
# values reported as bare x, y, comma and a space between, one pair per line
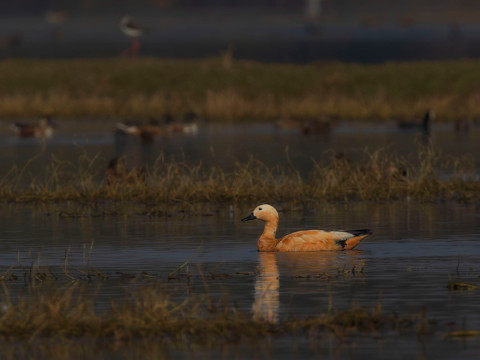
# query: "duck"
151, 130
305, 240
117, 173
147, 132
187, 125
42, 130
128, 128
423, 126
317, 126
289, 124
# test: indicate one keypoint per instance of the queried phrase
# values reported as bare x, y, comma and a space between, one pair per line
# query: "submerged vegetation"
170, 187
226, 90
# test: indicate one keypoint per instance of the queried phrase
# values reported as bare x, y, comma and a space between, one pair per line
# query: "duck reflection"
267, 298
318, 266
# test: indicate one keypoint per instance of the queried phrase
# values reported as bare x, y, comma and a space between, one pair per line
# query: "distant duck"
321, 125
423, 126
289, 124
128, 128
317, 127
147, 132
42, 130
151, 130
188, 124
133, 31
117, 173
306, 240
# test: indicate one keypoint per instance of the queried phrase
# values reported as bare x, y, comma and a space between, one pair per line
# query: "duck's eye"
259, 209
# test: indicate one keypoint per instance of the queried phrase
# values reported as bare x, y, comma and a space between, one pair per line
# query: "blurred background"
295, 31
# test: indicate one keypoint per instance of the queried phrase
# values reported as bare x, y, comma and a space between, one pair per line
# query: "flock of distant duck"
324, 125
117, 171
41, 130
148, 131
188, 124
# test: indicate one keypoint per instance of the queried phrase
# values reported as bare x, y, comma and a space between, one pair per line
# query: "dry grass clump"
69, 312
428, 177
113, 88
171, 186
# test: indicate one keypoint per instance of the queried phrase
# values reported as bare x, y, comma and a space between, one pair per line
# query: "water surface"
225, 145
406, 265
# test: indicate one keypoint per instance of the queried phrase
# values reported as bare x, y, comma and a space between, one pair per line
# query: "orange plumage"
307, 240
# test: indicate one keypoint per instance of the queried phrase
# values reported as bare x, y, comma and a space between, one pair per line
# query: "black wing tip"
355, 233
342, 243
361, 232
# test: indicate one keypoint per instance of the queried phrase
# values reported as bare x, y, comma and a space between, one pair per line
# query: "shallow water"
406, 265
416, 250
224, 145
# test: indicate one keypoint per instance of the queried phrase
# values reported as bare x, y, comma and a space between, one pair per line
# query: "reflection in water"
267, 301
320, 266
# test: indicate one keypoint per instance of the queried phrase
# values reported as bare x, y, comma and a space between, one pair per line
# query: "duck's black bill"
249, 217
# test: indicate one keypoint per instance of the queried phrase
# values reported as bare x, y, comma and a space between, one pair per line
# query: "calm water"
271, 35
223, 145
407, 264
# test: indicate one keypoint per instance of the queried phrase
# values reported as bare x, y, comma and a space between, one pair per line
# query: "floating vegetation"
172, 188
462, 334
242, 90
458, 286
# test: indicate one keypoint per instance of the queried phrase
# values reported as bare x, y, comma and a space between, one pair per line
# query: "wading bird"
306, 240
133, 31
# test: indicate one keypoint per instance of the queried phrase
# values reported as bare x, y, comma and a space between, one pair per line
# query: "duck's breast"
312, 240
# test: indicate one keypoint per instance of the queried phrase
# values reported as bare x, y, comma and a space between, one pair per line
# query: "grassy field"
224, 89
171, 187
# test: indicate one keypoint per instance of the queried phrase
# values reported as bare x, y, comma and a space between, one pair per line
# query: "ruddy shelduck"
306, 240
42, 130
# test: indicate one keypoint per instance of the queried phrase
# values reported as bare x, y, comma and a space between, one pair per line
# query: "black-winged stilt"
133, 31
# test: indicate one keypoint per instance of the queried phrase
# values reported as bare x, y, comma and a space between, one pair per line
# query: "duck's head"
263, 212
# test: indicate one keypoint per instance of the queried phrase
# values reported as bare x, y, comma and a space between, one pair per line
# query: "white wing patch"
341, 235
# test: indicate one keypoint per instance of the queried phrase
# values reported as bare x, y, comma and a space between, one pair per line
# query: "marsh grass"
224, 89
172, 188
149, 312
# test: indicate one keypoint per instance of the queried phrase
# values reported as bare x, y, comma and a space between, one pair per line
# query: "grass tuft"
69, 312
170, 188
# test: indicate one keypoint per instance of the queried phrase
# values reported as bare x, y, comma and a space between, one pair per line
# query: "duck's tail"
358, 236
127, 128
